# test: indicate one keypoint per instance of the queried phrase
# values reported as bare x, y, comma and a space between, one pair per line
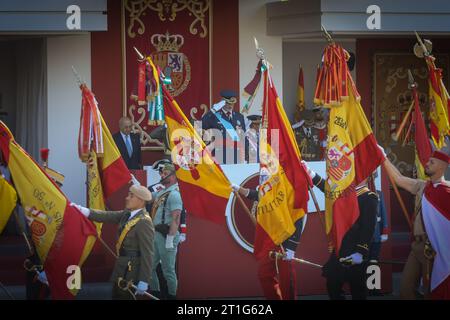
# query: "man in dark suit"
225, 128
129, 144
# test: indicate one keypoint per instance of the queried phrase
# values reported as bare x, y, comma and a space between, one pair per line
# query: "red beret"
441, 156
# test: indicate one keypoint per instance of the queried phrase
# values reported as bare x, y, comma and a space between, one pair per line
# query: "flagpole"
316, 204
400, 200
244, 206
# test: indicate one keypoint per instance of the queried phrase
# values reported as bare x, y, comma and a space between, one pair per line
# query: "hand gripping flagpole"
127, 286
278, 255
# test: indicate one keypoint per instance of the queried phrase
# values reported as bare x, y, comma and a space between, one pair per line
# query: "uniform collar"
172, 187
133, 213
124, 136
435, 184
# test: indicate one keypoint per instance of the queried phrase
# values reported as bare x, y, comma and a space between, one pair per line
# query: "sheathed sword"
278, 255
348, 261
128, 285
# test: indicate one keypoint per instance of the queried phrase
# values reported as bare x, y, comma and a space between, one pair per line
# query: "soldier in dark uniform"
349, 265
229, 140
252, 139
135, 244
311, 134
284, 287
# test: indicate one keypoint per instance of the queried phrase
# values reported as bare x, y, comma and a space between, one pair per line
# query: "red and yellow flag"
107, 171
352, 151
283, 196
423, 145
8, 200
300, 91
204, 188
439, 104
62, 236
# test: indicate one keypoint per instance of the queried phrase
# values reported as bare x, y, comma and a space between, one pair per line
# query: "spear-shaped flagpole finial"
259, 51
411, 82
140, 55
326, 34
77, 76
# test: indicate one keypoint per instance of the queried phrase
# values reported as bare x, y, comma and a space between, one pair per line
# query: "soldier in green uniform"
135, 244
166, 211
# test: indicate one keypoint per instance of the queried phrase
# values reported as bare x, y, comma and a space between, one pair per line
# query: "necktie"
128, 145
228, 115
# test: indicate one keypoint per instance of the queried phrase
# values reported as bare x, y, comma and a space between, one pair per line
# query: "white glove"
169, 242
42, 277
289, 255
382, 150
355, 258
384, 237
311, 173
182, 237
141, 288
85, 211
134, 180
235, 187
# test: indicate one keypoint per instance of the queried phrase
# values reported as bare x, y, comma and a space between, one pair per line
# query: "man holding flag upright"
429, 250
352, 155
283, 191
61, 236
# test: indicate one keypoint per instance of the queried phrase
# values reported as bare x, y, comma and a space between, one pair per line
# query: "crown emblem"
166, 42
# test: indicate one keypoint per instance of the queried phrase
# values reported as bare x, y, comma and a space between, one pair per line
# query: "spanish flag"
283, 196
8, 199
423, 146
61, 235
204, 188
352, 151
107, 171
300, 91
439, 104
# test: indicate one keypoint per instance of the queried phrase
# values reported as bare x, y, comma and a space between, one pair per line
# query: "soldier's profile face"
133, 203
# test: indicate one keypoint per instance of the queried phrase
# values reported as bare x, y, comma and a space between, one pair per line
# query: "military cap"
229, 96
141, 192
316, 108
441, 156
159, 165
255, 118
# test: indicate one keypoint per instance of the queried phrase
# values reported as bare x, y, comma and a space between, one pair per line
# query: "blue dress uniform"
381, 225
357, 239
166, 201
234, 124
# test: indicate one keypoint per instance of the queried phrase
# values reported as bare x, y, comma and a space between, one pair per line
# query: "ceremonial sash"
130, 224
228, 126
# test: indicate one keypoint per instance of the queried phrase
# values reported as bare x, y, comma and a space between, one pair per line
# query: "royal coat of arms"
173, 63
